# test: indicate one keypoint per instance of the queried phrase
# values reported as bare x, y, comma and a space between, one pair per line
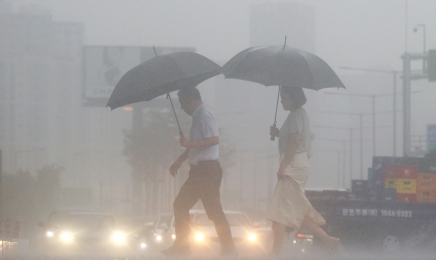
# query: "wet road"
343, 257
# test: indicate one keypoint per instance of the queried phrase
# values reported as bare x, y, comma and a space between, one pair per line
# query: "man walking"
204, 179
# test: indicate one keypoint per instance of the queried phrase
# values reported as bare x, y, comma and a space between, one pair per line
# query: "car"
162, 234
142, 238
248, 239
81, 232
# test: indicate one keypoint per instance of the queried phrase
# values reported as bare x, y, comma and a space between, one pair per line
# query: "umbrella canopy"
282, 66
161, 75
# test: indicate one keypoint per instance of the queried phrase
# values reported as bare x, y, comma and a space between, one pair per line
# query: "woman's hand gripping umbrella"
281, 66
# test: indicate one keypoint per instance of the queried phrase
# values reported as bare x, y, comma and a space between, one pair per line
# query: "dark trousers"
203, 184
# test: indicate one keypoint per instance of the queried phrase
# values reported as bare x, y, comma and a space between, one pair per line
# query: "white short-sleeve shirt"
296, 122
203, 126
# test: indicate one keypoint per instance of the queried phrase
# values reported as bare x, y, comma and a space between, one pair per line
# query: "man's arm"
210, 133
176, 165
206, 142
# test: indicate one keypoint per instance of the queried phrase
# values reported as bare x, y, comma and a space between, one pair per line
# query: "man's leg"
184, 201
210, 197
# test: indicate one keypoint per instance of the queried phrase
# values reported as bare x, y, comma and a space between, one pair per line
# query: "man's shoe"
176, 250
229, 253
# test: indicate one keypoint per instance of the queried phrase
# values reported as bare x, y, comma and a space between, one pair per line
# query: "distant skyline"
358, 33
362, 33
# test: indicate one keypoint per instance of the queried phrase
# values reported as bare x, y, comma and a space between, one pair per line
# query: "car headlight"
252, 237
49, 234
119, 238
199, 237
158, 238
66, 237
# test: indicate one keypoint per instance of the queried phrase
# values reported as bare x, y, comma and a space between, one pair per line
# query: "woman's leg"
279, 235
330, 242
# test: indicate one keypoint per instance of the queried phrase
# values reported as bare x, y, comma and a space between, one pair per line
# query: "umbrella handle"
180, 129
273, 136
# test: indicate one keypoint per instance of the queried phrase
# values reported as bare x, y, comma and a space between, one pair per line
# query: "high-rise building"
270, 23
40, 84
42, 117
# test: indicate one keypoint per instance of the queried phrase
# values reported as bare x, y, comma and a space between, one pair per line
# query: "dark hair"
298, 98
189, 93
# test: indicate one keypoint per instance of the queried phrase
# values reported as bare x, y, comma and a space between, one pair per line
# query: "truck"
393, 211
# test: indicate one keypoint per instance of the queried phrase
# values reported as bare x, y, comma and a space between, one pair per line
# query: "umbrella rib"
270, 67
239, 61
310, 69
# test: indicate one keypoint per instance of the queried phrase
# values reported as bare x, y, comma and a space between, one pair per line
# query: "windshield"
233, 218
87, 221
164, 219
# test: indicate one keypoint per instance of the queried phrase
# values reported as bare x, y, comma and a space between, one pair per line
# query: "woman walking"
289, 206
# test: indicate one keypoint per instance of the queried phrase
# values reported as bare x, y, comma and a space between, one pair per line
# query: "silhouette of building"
39, 61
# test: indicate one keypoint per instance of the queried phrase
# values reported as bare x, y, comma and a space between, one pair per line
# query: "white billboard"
105, 65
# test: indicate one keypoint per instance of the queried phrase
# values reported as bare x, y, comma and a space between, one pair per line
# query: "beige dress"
289, 204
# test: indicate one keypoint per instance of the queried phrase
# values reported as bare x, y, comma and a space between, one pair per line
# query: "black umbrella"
162, 75
281, 66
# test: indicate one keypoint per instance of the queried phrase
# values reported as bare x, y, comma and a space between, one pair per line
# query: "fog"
60, 131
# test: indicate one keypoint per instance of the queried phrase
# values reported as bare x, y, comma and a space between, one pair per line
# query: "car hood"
210, 231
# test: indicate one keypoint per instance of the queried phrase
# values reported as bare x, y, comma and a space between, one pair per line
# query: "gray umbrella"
281, 66
162, 75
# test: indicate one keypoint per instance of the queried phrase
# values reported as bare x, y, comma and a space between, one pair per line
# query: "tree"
19, 202
150, 147
48, 188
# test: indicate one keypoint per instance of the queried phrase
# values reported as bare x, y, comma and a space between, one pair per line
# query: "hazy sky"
356, 33
362, 33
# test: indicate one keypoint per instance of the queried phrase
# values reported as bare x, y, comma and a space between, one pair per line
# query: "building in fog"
270, 23
39, 76
42, 117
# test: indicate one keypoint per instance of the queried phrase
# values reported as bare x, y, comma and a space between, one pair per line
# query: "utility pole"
344, 144
408, 76
361, 133
350, 140
394, 100
423, 44
373, 97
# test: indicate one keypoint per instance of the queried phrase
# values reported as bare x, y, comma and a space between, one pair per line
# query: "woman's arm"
294, 142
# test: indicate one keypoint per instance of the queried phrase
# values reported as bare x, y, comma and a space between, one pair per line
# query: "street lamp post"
394, 96
373, 113
361, 135
350, 140
344, 144
423, 43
